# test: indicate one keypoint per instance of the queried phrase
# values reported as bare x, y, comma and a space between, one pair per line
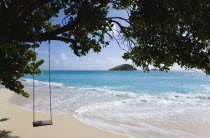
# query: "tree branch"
64, 39
121, 27
32, 7
62, 29
75, 47
118, 18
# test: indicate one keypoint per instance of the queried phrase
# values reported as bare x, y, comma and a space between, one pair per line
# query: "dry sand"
15, 122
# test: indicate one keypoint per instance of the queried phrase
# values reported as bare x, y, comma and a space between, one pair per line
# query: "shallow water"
123, 97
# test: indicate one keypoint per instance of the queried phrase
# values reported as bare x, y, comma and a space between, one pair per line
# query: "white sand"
15, 122
18, 122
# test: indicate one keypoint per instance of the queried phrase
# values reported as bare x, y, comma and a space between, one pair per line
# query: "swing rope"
46, 122
34, 92
50, 83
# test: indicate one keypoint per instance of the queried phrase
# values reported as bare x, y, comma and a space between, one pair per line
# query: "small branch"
109, 35
121, 27
63, 39
76, 48
118, 18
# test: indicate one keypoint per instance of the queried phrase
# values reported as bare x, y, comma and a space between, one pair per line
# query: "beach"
101, 104
104, 69
17, 123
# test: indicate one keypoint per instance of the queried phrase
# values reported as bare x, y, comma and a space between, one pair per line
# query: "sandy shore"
195, 125
17, 123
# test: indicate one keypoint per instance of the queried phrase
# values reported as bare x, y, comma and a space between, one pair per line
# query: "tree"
15, 61
165, 32
158, 33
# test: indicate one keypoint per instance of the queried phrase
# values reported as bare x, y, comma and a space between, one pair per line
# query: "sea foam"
80, 100
96, 106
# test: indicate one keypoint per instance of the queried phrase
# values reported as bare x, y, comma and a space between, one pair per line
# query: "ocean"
118, 100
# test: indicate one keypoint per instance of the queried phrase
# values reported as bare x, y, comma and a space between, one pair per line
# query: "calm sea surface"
154, 83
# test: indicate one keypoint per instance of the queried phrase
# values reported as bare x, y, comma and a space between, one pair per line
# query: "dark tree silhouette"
158, 33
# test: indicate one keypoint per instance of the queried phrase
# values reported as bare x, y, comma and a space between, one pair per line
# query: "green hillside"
123, 67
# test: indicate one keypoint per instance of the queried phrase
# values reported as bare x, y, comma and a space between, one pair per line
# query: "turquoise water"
154, 83
119, 100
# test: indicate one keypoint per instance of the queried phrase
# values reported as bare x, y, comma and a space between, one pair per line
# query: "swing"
42, 122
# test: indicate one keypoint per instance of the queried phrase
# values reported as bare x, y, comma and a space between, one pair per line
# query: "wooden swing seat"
42, 123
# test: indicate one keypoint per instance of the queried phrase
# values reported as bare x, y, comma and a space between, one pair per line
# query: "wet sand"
17, 123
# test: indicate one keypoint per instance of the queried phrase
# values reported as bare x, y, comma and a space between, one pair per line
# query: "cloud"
63, 61
102, 63
64, 57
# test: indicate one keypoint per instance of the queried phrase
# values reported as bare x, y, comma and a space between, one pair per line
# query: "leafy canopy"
170, 31
158, 33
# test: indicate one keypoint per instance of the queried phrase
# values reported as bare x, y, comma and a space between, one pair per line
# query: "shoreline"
17, 122
186, 125
127, 135
190, 126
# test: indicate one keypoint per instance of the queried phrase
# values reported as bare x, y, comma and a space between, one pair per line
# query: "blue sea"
138, 82
100, 98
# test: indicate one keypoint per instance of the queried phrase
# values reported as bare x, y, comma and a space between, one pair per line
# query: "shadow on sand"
4, 119
5, 133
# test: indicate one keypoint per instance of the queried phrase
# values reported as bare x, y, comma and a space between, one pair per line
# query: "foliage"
27, 22
15, 61
123, 67
170, 31
159, 33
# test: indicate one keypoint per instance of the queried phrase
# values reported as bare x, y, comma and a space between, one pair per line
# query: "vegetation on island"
158, 33
124, 67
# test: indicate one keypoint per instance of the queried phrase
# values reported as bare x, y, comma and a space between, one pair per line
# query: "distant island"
124, 67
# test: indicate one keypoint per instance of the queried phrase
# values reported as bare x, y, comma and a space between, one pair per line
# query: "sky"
63, 58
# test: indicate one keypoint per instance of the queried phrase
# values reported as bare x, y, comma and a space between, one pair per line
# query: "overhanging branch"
75, 47
118, 18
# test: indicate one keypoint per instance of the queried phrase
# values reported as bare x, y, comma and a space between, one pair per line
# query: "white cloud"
63, 57
67, 62
85, 63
